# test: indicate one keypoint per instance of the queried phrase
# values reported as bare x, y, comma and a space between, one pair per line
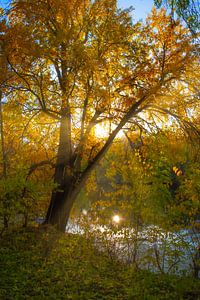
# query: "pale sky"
142, 7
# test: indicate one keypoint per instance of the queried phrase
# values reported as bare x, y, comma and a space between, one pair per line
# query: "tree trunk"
60, 207
61, 201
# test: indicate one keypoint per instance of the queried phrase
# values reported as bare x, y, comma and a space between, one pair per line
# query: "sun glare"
103, 131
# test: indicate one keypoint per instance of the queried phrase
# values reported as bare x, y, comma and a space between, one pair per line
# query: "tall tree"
84, 63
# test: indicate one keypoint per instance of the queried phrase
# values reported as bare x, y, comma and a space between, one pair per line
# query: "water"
152, 248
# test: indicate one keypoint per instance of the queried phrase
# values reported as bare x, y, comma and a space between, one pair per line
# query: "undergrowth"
40, 263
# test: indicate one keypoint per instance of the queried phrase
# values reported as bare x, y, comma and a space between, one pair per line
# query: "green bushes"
42, 264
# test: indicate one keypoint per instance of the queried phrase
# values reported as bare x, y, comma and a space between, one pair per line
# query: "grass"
40, 263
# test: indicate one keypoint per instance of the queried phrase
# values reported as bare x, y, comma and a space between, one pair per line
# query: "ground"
40, 263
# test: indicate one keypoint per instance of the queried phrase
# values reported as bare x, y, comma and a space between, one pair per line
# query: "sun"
103, 130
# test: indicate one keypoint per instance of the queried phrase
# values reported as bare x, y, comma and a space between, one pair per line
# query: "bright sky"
3, 3
142, 7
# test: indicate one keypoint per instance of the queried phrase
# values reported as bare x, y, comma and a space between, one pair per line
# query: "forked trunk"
68, 185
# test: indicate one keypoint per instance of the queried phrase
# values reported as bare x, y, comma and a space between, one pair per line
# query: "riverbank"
40, 263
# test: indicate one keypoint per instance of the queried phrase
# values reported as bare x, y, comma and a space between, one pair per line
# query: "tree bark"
59, 209
60, 206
